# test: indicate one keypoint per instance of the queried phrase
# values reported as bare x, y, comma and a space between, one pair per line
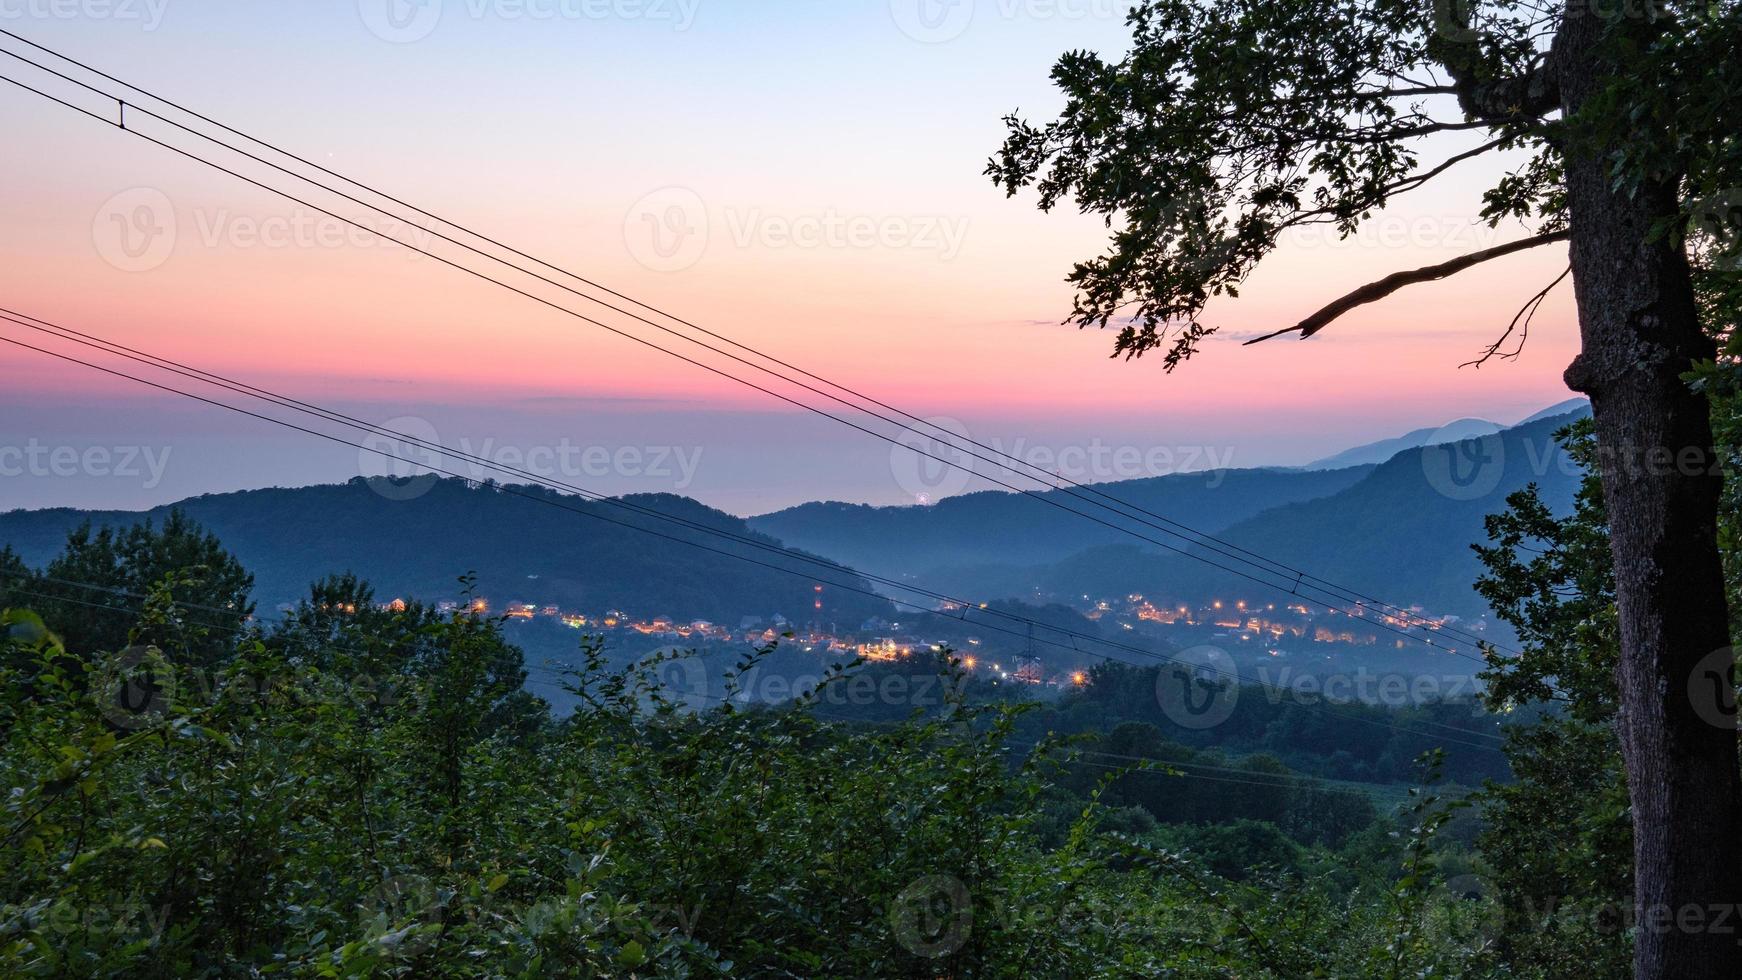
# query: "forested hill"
1378, 452
1002, 527
522, 549
1402, 533
1406, 531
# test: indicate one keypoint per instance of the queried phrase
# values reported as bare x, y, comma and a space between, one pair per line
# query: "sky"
801, 176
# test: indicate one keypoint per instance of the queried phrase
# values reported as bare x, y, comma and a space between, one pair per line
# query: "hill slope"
1401, 534
1375, 453
521, 549
1003, 528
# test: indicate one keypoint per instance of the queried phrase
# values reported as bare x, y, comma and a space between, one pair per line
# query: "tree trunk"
1640, 331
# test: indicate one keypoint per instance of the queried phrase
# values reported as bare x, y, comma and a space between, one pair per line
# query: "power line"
966, 605
606, 289
229, 384
306, 408
1299, 580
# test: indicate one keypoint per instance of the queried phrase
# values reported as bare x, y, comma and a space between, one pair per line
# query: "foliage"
361, 805
1225, 126
1311, 731
110, 568
1560, 599
1559, 838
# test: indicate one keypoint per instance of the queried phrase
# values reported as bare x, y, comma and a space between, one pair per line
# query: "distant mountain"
1401, 534
1572, 406
1374, 453
1400, 530
1004, 528
522, 548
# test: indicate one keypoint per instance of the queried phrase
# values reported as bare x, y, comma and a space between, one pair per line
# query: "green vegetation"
360, 791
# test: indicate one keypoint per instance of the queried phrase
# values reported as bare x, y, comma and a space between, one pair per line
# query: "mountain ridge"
459, 527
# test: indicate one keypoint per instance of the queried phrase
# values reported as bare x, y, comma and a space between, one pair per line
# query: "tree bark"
1640, 332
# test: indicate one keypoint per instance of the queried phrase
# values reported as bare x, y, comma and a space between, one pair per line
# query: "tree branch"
1525, 314
1375, 291
1488, 89
1409, 183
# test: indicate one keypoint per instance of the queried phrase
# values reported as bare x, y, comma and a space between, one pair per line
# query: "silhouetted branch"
1526, 313
1375, 291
